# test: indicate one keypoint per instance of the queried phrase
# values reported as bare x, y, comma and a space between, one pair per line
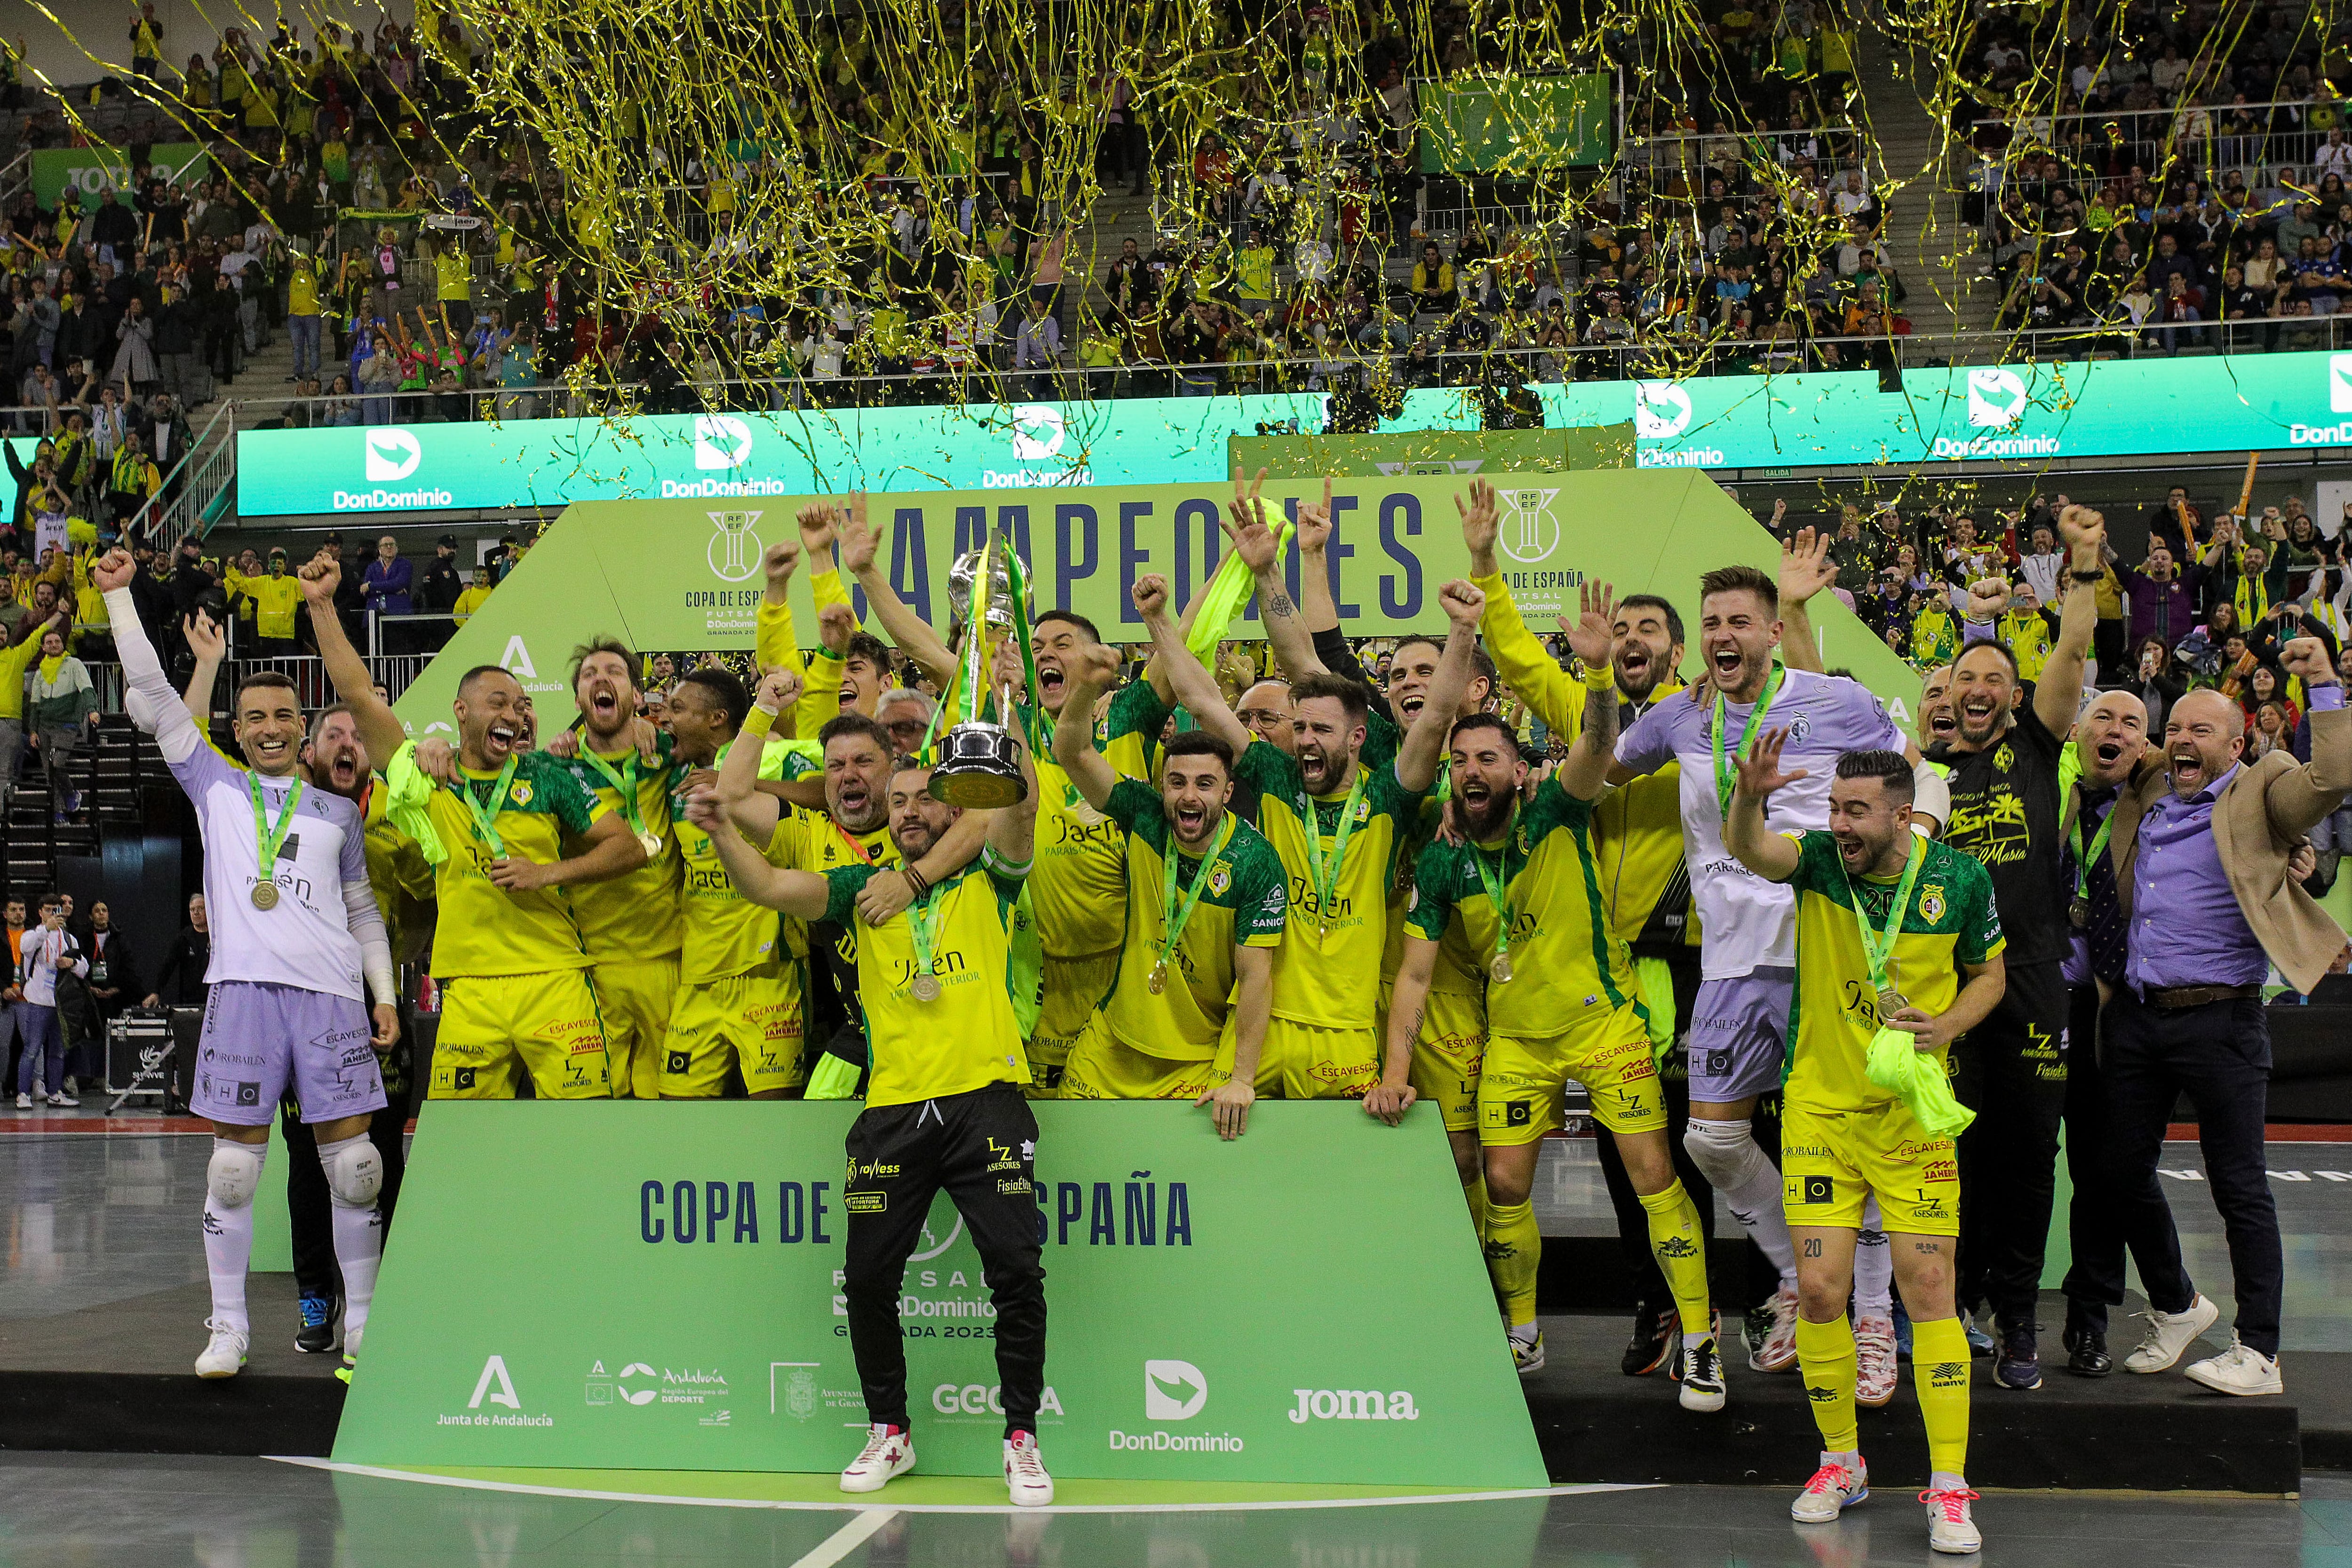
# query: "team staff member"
302, 948
513, 972
630, 924
2201, 855
1206, 901
1893, 932
2002, 769
943, 1106
1077, 890
274, 598
1519, 899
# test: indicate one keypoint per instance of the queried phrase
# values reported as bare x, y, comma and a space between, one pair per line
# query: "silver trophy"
979, 766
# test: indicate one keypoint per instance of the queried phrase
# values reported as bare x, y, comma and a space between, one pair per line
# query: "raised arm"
2302, 797
2058, 693
737, 785
1013, 833
205, 641
913, 634
1587, 770
1806, 570
1195, 688
153, 706
1088, 673
801, 894
1756, 847
381, 731
1522, 662
1245, 526
1416, 760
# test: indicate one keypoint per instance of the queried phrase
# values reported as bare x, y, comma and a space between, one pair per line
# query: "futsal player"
1207, 900
630, 924
1893, 932
943, 1106
295, 936
513, 971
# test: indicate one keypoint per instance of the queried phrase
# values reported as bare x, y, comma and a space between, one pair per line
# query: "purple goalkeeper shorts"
256, 1036
1739, 1035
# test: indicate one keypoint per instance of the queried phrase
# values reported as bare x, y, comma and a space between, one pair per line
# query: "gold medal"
925, 987
265, 895
1890, 1002
1500, 972
652, 841
2079, 912
1157, 981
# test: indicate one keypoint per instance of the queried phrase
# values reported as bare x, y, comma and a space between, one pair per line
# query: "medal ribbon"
1171, 914
1325, 874
923, 927
1492, 878
2083, 858
624, 781
856, 848
267, 834
485, 821
1878, 946
1727, 777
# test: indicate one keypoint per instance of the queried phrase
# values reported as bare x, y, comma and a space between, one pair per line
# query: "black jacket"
180, 983
121, 968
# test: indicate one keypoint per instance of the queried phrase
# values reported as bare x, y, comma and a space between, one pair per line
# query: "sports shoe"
24, 1102
1875, 1367
1949, 1528
889, 1453
1980, 1344
1777, 1353
1527, 1355
1701, 1373
2169, 1335
2019, 1364
1833, 1490
2086, 1351
317, 1334
1653, 1341
224, 1352
1025, 1472
351, 1356
2241, 1369
64, 1102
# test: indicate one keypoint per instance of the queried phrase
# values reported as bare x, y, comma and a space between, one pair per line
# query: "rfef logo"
1173, 1391
1526, 531
721, 441
392, 454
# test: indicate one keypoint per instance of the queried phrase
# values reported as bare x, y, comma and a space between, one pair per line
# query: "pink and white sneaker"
1778, 1351
1834, 1489
889, 1453
1875, 1364
1949, 1528
1025, 1472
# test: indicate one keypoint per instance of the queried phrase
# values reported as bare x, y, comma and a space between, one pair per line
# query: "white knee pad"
234, 1174
354, 1171
1726, 1152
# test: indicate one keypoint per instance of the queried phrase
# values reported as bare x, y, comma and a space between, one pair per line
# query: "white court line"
470, 1483
847, 1538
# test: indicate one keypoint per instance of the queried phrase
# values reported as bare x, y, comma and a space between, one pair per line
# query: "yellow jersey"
1079, 888
1245, 902
276, 600
399, 875
964, 1039
721, 933
1833, 1012
1566, 961
483, 929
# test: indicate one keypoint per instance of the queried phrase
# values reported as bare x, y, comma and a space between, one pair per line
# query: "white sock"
1751, 1190
1874, 1267
1945, 1481
359, 1245
228, 1253
1524, 1333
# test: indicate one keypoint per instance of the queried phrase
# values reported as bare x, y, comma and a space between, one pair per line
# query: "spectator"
180, 978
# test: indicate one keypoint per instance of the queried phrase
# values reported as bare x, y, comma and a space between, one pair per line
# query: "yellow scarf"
50, 666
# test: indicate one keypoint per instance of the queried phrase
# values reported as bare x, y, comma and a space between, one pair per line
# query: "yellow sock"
1939, 1368
1476, 1193
1514, 1248
1825, 1359
1674, 1241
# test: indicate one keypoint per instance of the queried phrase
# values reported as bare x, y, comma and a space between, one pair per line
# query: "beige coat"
2265, 810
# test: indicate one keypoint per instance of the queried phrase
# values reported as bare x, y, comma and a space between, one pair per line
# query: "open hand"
1314, 523
1244, 523
1480, 518
1592, 635
1760, 770
1806, 568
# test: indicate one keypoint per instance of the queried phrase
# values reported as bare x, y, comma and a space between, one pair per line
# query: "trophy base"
979, 768
974, 790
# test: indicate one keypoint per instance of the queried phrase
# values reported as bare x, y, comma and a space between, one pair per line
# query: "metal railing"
2199, 134
197, 490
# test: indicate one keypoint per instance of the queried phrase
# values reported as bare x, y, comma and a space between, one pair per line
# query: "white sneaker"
1778, 1351
24, 1102
1701, 1374
1527, 1355
1025, 1472
1833, 1490
1949, 1528
351, 1338
2169, 1335
1875, 1367
2241, 1369
64, 1100
888, 1454
223, 1353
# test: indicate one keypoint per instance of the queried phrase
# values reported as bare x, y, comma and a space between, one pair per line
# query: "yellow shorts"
1102, 1067
1072, 988
1522, 1081
494, 1027
1831, 1160
1307, 1062
1447, 1054
751, 1020
635, 998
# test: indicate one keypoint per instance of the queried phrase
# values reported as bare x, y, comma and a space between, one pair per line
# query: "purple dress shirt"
2186, 926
